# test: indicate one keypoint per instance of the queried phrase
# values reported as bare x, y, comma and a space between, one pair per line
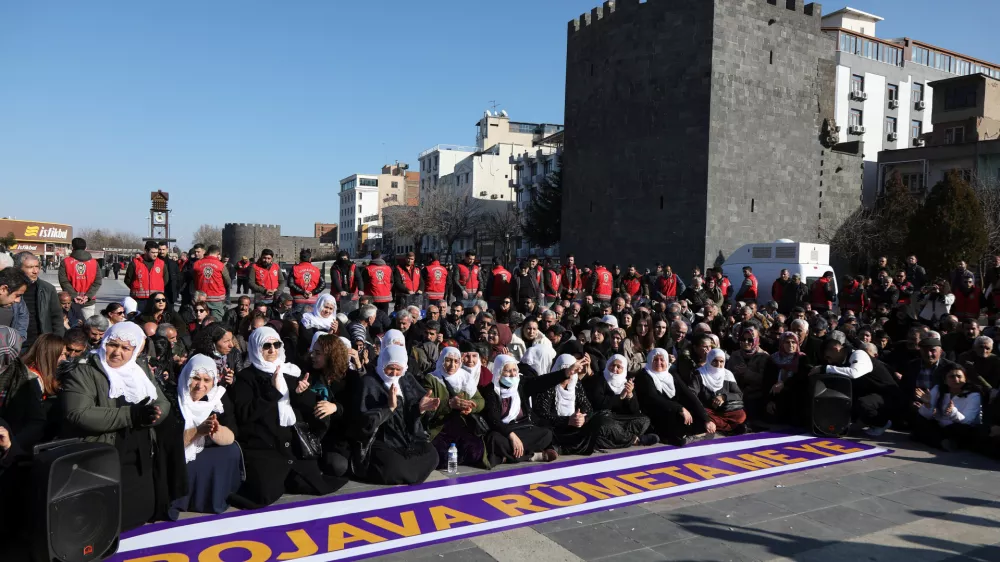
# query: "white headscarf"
616, 382
392, 355
540, 358
714, 377
346, 342
565, 397
195, 413
462, 380
663, 380
286, 415
476, 370
503, 392
610, 320
316, 336
393, 337
315, 320
129, 380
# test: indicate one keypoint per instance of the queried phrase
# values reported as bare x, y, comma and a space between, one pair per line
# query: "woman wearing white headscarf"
675, 411
396, 447
455, 420
213, 463
613, 393
514, 436
322, 317
716, 388
267, 404
112, 398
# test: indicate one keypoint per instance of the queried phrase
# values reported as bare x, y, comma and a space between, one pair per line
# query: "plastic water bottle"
453, 459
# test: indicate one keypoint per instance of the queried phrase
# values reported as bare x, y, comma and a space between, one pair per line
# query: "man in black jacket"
45, 316
921, 375
524, 286
915, 273
174, 276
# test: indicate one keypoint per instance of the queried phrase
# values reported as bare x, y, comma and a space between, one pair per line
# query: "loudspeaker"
831, 405
77, 501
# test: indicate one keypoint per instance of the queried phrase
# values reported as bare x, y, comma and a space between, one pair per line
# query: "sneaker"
549, 455
877, 431
649, 439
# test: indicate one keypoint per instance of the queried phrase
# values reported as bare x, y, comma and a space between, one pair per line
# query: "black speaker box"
831, 405
78, 502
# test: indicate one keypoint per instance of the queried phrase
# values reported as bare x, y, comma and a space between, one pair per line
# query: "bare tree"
208, 235
859, 238
501, 225
411, 222
454, 217
99, 238
987, 189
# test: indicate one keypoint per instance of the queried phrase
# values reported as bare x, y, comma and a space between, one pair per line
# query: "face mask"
509, 382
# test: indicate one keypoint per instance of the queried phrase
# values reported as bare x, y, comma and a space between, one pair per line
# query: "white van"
809, 260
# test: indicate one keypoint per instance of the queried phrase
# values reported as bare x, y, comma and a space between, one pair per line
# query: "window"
368, 182
534, 169
436, 160
892, 92
918, 92
857, 83
458, 179
954, 135
395, 184
916, 129
466, 177
856, 118
959, 97
547, 167
890, 125
913, 182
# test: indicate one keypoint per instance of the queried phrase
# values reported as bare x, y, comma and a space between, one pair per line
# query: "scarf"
462, 380
662, 380
260, 336
714, 377
195, 413
129, 380
539, 358
507, 393
756, 342
393, 337
10, 347
392, 355
476, 370
788, 363
316, 336
616, 382
314, 320
565, 397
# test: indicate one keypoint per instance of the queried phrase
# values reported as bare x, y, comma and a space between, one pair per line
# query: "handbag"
478, 425
310, 446
732, 406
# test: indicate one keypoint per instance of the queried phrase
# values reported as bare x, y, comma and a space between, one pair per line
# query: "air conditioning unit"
918, 142
893, 136
858, 95
921, 105
856, 129
893, 104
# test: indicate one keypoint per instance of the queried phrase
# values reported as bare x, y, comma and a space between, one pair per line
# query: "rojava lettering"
374, 523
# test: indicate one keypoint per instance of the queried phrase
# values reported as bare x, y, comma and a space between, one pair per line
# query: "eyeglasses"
747, 340
159, 300
268, 346
117, 312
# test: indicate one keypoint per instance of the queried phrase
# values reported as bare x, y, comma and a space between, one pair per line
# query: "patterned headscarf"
10, 346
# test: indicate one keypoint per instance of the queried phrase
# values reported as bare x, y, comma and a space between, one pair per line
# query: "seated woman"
43, 361
949, 413
114, 312
787, 379
158, 312
217, 342
454, 420
335, 377
472, 362
112, 398
722, 398
266, 410
322, 318
396, 447
677, 416
200, 313
214, 464
20, 398
514, 436
748, 364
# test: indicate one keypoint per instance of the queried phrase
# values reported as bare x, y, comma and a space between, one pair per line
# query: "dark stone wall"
241, 239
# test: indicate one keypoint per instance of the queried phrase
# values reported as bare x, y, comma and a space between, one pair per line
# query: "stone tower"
696, 126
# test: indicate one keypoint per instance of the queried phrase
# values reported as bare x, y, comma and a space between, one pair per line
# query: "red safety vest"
501, 283
584, 278
379, 285
555, 280
726, 287
352, 285
435, 280
818, 296
243, 268
538, 275
307, 276
267, 278
146, 282
751, 293
632, 286
667, 286
853, 298
905, 299
82, 274
411, 278
777, 290
605, 284
468, 277
568, 284
208, 279
181, 263
967, 306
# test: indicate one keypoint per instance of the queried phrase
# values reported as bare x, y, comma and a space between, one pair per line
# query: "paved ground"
915, 505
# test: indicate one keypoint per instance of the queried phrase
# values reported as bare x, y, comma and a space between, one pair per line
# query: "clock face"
159, 218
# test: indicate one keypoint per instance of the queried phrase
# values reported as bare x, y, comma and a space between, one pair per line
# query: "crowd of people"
297, 387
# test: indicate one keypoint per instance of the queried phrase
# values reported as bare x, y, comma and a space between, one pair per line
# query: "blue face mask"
508, 382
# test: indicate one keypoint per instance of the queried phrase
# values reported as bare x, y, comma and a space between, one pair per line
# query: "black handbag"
478, 425
732, 406
310, 447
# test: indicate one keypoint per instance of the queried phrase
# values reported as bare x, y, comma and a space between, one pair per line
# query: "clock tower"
159, 217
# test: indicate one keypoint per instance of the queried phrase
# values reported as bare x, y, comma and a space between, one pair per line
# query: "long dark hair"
967, 388
205, 339
150, 308
646, 342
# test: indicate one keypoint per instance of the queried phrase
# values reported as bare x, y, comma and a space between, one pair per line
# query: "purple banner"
373, 523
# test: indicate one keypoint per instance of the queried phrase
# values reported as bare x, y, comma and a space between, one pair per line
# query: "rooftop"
443, 147
856, 13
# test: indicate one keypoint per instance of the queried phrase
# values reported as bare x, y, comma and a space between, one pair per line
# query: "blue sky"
249, 111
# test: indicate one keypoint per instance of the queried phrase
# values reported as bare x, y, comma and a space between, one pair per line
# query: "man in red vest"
378, 281
631, 283
79, 276
748, 290
498, 285
146, 274
435, 280
571, 282
306, 283
211, 277
266, 278
602, 283
346, 281
468, 284
406, 284
551, 283
668, 286
968, 298
821, 294
243, 275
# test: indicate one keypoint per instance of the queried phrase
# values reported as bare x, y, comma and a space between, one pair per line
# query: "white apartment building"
359, 212
883, 96
532, 167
